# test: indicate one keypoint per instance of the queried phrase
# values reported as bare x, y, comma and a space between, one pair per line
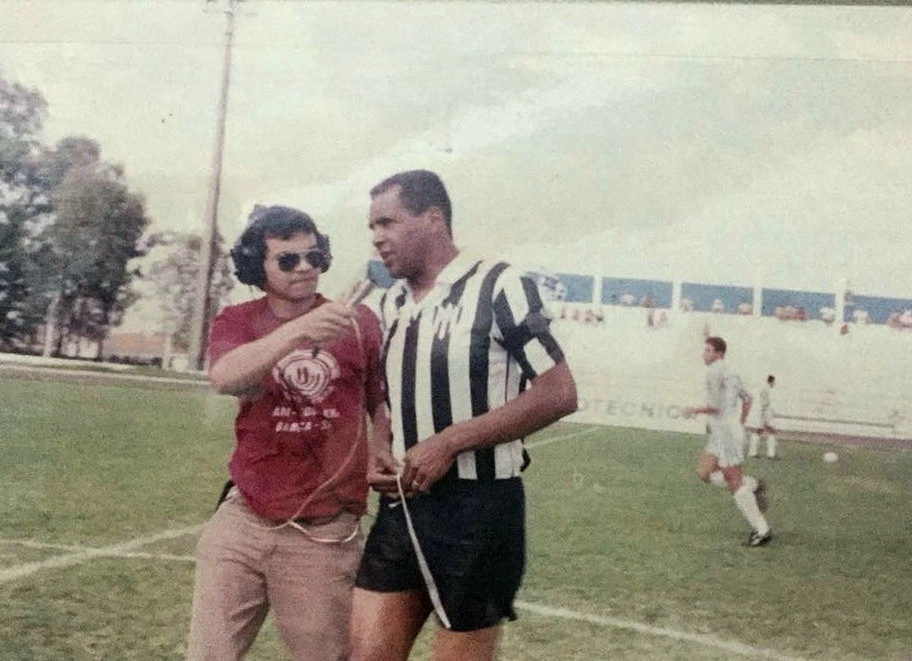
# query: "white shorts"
725, 441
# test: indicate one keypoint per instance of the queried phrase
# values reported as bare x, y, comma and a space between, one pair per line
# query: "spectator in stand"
861, 317
687, 305
717, 306
827, 315
900, 321
745, 308
791, 313
628, 299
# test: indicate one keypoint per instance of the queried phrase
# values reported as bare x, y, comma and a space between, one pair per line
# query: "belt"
231, 492
317, 520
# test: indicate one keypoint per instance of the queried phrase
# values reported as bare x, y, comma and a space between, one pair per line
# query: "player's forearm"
702, 410
551, 397
745, 411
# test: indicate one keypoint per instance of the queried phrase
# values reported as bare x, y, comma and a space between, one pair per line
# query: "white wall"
632, 375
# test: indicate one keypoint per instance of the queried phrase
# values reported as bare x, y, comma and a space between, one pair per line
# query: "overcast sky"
712, 143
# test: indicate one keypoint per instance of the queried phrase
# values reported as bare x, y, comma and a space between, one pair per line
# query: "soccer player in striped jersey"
471, 368
727, 406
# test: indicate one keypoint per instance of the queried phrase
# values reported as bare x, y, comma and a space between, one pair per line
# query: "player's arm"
521, 326
241, 370
551, 397
692, 411
747, 402
715, 387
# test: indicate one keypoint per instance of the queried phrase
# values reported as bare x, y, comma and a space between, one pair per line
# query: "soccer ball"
830, 457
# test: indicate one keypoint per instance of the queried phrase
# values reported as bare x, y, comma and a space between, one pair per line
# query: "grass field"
630, 557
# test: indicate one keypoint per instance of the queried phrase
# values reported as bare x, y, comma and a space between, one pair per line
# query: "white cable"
433, 593
361, 291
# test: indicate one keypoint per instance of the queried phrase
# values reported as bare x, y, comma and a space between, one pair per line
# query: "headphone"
249, 250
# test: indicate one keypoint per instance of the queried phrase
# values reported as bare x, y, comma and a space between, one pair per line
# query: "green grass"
620, 530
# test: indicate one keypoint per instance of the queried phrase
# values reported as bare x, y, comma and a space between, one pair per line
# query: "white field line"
700, 639
555, 439
70, 547
123, 550
30, 544
81, 555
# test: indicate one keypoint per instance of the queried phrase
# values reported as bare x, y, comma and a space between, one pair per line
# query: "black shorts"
473, 537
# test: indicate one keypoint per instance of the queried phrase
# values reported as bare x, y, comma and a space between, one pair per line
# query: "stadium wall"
634, 373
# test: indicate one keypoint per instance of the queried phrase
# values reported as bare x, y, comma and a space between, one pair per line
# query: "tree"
24, 203
97, 230
175, 280
69, 227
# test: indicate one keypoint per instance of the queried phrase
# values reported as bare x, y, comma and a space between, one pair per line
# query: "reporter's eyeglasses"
289, 261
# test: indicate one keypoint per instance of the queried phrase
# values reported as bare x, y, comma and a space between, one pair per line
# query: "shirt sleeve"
522, 325
374, 386
229, 331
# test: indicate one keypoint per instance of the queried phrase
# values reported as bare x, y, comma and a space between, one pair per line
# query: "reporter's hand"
382, 472
328, 322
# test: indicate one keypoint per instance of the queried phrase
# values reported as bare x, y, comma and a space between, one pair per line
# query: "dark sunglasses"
289, 261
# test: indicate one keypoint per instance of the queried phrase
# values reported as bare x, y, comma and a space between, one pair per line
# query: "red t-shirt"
304, 440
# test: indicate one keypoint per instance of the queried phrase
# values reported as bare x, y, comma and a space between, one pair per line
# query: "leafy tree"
24, 204
175, 280
97, 230
69, 227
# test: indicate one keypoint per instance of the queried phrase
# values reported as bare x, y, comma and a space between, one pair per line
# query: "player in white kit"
727, 406
764, 429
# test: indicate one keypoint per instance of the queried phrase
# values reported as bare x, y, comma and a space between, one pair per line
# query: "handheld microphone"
359, 293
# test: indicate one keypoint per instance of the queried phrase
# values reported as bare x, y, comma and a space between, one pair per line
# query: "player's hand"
328, 322
689, 412
425, 463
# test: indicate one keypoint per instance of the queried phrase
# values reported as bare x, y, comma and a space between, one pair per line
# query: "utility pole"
199, 323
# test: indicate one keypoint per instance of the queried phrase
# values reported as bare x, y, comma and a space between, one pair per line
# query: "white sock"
749, 482
717, 479
754, 442
771, 446
747, 503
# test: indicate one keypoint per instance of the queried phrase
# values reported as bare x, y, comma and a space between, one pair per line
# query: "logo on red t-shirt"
306, 376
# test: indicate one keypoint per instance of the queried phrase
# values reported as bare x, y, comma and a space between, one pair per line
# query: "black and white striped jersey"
470, 345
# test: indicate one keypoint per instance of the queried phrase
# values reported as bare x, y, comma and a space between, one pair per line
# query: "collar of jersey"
451, 273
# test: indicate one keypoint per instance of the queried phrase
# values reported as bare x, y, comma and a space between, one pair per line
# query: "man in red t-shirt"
287, 533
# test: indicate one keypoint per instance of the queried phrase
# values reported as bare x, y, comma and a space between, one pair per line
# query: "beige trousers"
244, 567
